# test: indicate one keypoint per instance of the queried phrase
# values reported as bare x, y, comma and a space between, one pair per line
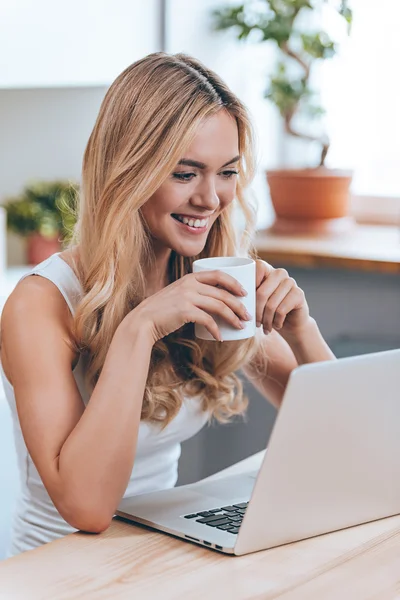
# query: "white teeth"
193, 222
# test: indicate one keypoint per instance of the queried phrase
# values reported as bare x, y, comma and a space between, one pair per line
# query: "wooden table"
373, 248
132, 562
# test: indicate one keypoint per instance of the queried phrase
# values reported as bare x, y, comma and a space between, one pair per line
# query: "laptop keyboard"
227, 518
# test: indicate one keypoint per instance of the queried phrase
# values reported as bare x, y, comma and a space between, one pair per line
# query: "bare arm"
84, 457
308, 345
280, 354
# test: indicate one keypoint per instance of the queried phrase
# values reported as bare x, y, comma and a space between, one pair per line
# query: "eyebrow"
187, 162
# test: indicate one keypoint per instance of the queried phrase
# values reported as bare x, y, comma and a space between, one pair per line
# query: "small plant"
43, 207
280, 21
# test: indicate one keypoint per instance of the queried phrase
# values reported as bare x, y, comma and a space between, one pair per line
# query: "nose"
206, 196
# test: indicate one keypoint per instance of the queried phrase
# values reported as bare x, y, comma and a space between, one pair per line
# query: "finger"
222, 280
217, 307
274, 302
263, 270
292, 301
232, 301
203, 318
267, 288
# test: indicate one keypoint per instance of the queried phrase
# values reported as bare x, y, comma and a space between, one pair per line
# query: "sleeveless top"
36, 520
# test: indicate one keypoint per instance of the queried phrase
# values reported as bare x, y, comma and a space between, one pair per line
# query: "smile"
198, 223
195, 226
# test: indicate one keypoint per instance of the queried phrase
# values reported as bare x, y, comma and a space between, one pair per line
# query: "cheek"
227, 193
171, 197
163, 201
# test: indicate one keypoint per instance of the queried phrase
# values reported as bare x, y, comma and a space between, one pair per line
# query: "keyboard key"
205, 513
236, 518
233, 530
219, 522
208, 519
241, 505
225, 527
190, 516
228, 508
214, 510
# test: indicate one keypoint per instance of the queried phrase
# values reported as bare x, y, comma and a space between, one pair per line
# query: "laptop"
333, 461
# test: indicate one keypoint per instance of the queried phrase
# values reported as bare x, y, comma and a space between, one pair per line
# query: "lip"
191, 230
193, 216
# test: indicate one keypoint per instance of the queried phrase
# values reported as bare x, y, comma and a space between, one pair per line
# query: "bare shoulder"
34, 314
36, 297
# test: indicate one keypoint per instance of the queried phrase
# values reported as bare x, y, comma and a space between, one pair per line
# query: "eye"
184, 176
229, 174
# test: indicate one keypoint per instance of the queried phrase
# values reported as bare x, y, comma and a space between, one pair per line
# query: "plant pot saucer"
318, 227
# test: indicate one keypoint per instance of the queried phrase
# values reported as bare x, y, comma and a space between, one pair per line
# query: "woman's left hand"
280, 303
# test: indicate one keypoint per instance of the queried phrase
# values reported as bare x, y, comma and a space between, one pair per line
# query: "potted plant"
44, 214
309, 198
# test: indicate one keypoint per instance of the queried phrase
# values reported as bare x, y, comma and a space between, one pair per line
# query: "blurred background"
320, 81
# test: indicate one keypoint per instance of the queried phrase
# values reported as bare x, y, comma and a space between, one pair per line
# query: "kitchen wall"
43, 135
44, 130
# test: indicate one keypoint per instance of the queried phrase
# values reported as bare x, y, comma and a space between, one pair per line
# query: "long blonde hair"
146, 121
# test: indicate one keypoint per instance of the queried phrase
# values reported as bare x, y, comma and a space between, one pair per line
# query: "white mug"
244, 270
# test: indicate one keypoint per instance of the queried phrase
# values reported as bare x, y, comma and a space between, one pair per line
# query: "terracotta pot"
308, 195
39, 248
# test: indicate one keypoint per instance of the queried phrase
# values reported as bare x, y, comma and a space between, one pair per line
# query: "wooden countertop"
363, 248
127, 561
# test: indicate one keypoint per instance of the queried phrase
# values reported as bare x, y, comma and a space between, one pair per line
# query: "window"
361, 93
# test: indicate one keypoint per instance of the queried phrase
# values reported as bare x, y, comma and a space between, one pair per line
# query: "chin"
188, 250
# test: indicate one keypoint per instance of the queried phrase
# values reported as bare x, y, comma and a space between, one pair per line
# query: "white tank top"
36, 520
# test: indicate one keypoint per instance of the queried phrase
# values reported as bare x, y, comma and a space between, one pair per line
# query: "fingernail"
247, 315
258, 323
244, 293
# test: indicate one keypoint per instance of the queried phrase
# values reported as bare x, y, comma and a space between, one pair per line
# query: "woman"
111, 318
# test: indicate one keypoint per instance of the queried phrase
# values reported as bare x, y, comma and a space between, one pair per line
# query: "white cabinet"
48, 43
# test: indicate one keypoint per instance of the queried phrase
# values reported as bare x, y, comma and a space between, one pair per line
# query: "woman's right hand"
192, 299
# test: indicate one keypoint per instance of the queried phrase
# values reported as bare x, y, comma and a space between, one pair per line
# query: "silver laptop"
333, 461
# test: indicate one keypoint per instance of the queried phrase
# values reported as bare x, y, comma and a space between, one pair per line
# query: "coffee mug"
244, 270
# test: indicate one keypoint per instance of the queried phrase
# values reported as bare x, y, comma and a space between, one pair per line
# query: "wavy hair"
147, 119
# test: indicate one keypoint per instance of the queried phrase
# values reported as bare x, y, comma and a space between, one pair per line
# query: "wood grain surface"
128, 561
364, 248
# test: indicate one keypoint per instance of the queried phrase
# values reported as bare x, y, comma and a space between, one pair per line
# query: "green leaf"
277, 22
278, 29
318, 45
312, 110
286, 93
43, 207
347, 14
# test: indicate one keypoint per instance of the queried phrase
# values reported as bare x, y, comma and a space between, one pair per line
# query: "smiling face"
183, 209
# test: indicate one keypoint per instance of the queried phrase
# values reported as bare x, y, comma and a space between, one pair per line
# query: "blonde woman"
111, 317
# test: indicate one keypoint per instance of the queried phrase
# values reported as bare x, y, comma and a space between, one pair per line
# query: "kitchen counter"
373, 248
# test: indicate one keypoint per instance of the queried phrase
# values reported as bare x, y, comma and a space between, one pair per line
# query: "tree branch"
324, 142
289, 116
285, 48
